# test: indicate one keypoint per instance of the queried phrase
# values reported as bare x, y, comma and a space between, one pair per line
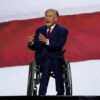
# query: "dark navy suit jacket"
57, 40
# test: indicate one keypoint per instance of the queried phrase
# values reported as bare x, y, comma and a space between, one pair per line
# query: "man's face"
50, 18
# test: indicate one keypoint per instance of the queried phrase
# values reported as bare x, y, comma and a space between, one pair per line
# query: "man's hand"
30, 38
42, 38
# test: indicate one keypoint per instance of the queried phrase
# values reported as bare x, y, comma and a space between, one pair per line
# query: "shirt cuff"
47, 42
31, 43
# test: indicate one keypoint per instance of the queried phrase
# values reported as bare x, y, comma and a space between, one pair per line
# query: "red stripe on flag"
83, 40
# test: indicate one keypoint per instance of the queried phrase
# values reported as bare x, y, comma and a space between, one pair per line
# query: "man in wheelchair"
48, 43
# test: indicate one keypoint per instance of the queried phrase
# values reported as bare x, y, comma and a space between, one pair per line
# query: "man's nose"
47, 17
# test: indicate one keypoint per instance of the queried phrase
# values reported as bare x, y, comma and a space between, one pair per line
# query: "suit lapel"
52, 34
45, 31
54, 31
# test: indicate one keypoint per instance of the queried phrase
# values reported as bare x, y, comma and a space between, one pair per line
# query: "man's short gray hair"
55, 11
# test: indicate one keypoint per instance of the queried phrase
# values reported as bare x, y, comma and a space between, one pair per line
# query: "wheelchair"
34, 76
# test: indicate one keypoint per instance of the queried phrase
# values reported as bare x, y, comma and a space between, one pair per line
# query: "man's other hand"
42, 38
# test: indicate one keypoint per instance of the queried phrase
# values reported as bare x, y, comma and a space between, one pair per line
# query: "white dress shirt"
52, 27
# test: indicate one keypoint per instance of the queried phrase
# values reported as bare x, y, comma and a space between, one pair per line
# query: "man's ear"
56, 19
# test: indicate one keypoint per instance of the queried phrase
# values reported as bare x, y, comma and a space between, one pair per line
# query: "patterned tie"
49, 31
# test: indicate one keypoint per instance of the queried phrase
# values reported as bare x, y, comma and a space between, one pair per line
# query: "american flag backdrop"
17, 20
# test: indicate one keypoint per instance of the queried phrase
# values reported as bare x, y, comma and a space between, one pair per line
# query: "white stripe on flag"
26, 9
85, 79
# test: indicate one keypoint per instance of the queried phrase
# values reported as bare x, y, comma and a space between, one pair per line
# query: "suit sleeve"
57, 44
35, 45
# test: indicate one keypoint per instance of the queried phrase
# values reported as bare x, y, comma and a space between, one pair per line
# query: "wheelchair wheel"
34, 78
67, 78
32, 88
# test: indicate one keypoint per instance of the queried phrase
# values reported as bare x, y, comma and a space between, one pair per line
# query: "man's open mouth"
48, 21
